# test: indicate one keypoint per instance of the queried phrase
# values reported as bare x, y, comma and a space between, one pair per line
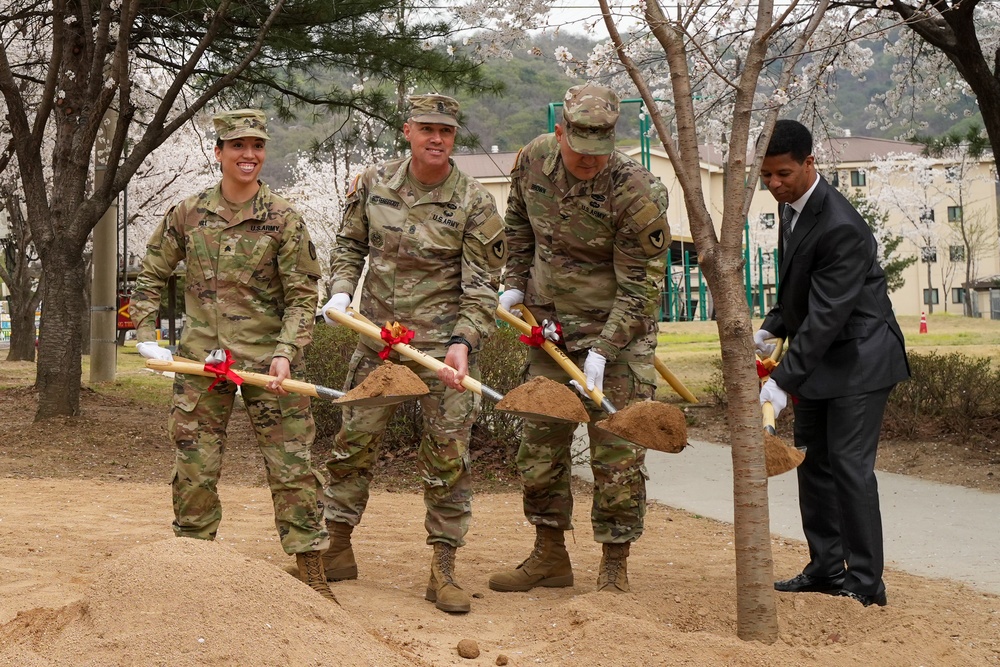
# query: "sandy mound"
191, 602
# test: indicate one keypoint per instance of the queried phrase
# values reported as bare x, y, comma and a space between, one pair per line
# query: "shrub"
327, 358
951, 393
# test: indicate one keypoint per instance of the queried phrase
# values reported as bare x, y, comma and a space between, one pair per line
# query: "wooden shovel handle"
189, 367
768, 416
365, 327
673, 381
524, 326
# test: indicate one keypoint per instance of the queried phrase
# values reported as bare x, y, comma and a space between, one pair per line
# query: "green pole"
668, 306
687, 286
702, 310
746, 262
760, 281
774, 262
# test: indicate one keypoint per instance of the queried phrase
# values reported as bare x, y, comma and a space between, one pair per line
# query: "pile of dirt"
389, 379
540, 395
192, 602
652, 424
780, 457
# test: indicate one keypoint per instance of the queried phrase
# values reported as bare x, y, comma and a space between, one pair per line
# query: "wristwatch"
455, 340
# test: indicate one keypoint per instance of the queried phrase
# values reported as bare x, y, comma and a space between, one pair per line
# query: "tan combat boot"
442, 589
548, 565
338, 560
311, 572
613, 575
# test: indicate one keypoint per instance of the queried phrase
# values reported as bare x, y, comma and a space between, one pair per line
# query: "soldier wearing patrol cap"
588, 238
435, 245
250, 288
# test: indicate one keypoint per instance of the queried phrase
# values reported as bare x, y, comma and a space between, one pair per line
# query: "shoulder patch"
354, 185
517, 160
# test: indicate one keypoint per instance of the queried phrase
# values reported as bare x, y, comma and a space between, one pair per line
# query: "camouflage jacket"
592, 256
433, 264
250, 283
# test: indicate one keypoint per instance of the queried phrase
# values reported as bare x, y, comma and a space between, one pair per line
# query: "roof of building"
485, 165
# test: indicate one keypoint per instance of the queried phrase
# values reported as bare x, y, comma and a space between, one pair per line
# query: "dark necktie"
786, 223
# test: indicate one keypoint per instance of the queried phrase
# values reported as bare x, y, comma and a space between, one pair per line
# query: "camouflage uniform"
591, 255
434, 266
250, 286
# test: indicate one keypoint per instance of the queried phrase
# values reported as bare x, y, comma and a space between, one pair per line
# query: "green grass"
132, 380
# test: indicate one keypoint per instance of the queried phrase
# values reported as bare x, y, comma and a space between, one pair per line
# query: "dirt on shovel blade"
779, 456
541, 395
389, 379
652, 424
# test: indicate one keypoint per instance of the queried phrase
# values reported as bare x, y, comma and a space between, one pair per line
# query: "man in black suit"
845, 354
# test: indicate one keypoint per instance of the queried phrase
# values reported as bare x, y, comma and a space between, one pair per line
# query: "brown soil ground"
90, 575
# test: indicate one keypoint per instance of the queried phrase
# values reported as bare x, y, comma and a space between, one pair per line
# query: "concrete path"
930, 529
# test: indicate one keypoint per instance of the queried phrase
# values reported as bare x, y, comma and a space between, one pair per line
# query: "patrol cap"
432, 108
240, 123
590, 112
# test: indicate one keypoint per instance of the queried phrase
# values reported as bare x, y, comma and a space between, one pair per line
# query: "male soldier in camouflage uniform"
250, 277
435, 246
588, 237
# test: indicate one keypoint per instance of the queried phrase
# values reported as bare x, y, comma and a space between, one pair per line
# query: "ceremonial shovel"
365, 327
646, 439
189, 367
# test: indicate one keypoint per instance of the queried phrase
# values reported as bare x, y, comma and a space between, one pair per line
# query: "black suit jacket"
833, 305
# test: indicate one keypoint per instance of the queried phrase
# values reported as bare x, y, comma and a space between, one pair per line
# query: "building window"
836, 179
767, 220
931, 297
928, 254
762, 185
957, 295
954, 214
956, 253
927, 216
857, 178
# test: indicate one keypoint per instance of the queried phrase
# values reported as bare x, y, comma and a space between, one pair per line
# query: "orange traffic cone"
923, 323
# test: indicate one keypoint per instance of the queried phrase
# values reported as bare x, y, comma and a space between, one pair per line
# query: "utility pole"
104, 304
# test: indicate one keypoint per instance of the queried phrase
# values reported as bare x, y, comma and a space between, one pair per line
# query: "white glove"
775, 394
764, 348
152, 350
339, 302
550, 332
593, 368
511, 297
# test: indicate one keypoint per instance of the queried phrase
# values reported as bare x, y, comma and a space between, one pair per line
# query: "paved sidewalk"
930, 529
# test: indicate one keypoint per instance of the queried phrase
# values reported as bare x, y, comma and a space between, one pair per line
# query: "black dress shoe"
867, 600
805, 583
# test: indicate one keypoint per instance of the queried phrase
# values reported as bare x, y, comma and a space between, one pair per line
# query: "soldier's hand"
338, 302
281, 370
152, 350
593, 368
458, 360
510, 298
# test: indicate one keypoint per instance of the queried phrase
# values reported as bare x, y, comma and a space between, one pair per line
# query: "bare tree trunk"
59, 362
22, 329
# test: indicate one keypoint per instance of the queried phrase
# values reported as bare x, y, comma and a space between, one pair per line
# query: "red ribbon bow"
222, 371
392, 334
536, 339
547, 331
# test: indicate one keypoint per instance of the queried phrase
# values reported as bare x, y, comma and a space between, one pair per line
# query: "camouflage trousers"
442, 456
544, 457
285, 431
